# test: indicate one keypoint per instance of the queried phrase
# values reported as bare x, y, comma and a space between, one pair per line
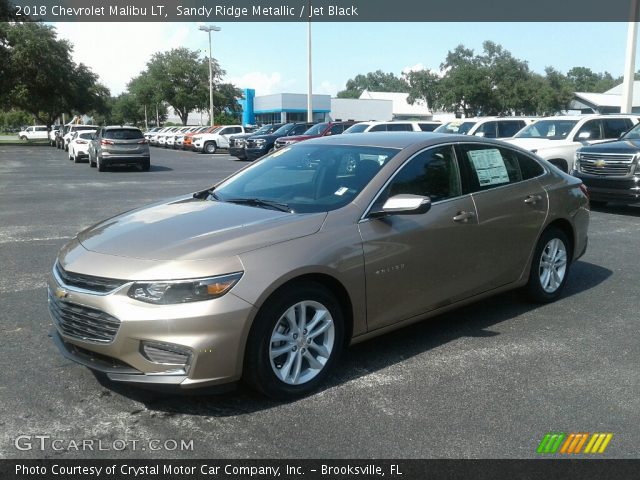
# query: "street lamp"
209, 29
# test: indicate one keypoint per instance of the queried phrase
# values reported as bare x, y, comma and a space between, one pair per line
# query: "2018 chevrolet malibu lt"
267, 276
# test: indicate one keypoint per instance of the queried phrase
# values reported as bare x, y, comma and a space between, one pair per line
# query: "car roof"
113, 127
389, 139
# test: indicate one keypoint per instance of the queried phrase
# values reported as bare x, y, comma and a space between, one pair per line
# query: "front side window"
488, 130
307, 178
432, 173
508, 128
357, 128
316, 129
491, 166
552, 129
399, 127
591, 129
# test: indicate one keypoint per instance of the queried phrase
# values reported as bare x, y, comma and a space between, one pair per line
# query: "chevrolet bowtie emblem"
600, 163
61, 293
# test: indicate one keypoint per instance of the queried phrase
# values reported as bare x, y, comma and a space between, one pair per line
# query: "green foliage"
377, 81
226, 119
585, 80
14, 119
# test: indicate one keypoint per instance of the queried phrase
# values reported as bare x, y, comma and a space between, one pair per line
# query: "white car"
153, 137
556, 139
210, 142
79, 145
397, 126
171, 139
487, 127
75, 128
38, 132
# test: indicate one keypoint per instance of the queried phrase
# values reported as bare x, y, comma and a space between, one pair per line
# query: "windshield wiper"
258, 202
206, 194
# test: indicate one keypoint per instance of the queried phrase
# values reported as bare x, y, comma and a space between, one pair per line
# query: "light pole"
309, 74
209, 29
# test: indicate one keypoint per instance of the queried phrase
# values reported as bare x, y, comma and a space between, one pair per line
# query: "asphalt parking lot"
487, 381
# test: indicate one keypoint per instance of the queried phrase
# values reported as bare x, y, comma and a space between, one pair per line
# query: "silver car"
119, 146
267, 276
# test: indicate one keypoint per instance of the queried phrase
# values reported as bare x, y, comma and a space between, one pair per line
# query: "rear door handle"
532, 199
463, 216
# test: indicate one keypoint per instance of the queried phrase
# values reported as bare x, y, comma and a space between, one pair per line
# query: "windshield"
263, 129
316, 129
461, 128
357, 128
633, 134
308, 178
550, 129
283, 130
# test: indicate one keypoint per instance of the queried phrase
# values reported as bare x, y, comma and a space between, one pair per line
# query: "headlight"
239, 143
183, 291
289, 142
261, 141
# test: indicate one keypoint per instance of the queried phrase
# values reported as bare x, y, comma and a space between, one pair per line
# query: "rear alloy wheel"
210, 147
550, 266
296, 339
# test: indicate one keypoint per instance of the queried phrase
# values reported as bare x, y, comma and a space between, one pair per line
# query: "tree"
182, 79
41, 77
583, 79
225, 99
377, 81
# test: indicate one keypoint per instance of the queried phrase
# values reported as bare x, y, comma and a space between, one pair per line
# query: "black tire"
92, 164
258, 371
101, 166
534, 288
145, 165
23, 138
210, 148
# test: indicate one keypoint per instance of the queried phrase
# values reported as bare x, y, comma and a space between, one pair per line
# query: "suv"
611, 170
487, 127
237, 142
396, 126
557, 139
258, 145
118, 145
211, 142
318, 130
39, 132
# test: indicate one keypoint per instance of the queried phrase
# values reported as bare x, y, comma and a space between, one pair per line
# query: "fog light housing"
167, 354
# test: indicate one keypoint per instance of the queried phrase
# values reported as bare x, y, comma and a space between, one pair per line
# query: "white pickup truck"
37, 132
556, 139
211, 142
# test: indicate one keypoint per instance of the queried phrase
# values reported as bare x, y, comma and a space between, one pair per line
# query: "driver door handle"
532, 199
463, 216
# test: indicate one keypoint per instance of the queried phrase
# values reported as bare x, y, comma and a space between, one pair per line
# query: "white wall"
360, 110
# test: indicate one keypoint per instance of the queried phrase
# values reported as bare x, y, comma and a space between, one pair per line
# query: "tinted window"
491, 166
86, 135
357, 128
379, 128
123, 134
458, 126
555, 129
614, 127
336, 129
592, 127
487, 129
299, 130
41, 129
399, 127
509, 128
432, 173
428, 127
316, 129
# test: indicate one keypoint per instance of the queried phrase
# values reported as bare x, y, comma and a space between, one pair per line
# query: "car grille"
83, 323
608, 157
87, 282
605, 170
250, 144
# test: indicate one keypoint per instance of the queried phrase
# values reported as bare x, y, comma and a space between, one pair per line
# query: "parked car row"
104, 147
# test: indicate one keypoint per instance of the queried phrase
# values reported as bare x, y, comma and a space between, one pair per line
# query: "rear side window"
336, 129
488, 130
614, 127
399, 127
492, 167
428, 127
123, 134
379, 128
509, 128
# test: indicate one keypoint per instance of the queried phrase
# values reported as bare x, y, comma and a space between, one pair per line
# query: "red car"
318, 130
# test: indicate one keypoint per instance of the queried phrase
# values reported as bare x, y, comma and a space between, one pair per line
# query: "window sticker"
341, 191
489, 166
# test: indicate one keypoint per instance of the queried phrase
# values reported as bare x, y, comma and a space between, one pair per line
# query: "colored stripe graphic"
573, 443
550, 442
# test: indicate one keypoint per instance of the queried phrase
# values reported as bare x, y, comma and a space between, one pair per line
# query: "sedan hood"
536, 143
193, 229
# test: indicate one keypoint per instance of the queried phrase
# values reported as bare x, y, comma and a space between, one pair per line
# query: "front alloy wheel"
302, 342
295, 340
553, 265
210, 147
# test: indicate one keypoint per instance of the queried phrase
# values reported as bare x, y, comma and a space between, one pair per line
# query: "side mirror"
584, 135
404, 204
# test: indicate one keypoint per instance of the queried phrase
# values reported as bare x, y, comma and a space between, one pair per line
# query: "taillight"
81, 141
584, 189
106, 142
144, 141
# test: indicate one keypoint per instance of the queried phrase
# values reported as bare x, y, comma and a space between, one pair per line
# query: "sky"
272, 57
